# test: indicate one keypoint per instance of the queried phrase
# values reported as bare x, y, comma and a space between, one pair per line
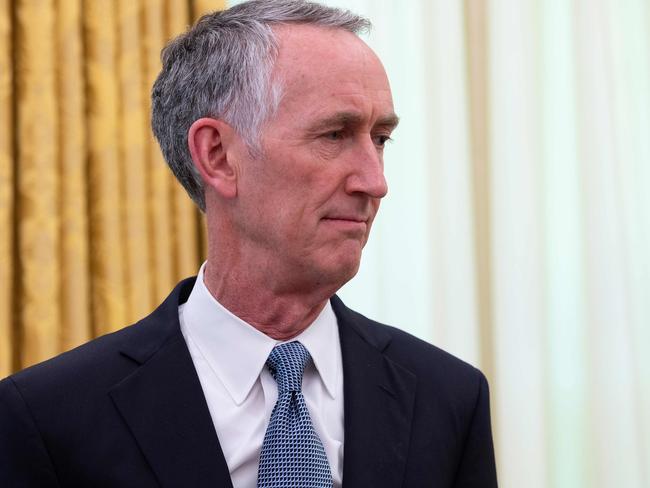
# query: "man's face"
307, 204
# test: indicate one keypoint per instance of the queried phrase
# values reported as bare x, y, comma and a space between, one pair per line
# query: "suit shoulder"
107, 358
87, 369
86, 360
440, 375
407, 346
432, 366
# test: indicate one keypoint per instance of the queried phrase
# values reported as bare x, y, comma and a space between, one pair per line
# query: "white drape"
565, 338
570, 121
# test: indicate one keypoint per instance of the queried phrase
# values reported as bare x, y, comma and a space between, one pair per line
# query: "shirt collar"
237, 352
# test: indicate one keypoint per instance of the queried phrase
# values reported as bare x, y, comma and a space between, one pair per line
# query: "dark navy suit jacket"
127, 410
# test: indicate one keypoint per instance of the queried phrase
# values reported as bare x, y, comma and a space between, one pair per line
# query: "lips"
349, 218
351, 225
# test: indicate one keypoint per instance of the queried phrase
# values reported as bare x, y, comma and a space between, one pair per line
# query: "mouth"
350, 223
349, 218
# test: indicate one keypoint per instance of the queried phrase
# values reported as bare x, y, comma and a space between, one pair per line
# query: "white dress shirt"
230, 358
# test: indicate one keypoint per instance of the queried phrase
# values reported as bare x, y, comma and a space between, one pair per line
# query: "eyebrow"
389, 121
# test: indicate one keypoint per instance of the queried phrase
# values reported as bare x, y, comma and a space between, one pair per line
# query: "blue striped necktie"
292, 454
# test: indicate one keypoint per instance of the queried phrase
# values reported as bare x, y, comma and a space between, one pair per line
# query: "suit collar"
379, 395
163, 403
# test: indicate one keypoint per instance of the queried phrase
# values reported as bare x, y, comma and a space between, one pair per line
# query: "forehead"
324, 69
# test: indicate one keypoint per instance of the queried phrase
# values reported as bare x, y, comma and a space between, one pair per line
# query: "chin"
339, 271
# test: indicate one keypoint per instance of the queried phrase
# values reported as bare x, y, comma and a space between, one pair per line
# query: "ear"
208, 141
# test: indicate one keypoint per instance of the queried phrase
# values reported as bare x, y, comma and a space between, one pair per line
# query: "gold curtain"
95, 230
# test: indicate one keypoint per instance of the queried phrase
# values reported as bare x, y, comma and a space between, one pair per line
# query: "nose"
367, 175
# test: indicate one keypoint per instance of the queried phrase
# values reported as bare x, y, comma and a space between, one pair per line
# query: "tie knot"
287, 363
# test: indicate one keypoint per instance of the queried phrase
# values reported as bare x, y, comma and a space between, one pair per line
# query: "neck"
262, 301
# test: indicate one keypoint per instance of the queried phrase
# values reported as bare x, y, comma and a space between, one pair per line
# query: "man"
274, 116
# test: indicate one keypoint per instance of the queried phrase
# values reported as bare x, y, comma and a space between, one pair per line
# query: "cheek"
310, 193
295, 191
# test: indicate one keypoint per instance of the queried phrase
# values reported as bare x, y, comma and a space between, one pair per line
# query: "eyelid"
341, 131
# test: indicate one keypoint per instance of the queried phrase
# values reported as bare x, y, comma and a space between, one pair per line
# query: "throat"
280, 321
279, 316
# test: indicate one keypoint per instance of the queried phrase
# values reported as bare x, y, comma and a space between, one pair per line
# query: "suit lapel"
378, 404
163, 404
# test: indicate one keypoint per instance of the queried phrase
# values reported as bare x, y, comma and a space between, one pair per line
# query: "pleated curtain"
94, 230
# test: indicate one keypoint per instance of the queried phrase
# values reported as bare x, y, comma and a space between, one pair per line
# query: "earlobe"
208, 141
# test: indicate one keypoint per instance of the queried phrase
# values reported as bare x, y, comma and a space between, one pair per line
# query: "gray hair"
221, 68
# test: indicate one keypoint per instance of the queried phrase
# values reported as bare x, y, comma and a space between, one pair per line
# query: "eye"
334, 135
381, 140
